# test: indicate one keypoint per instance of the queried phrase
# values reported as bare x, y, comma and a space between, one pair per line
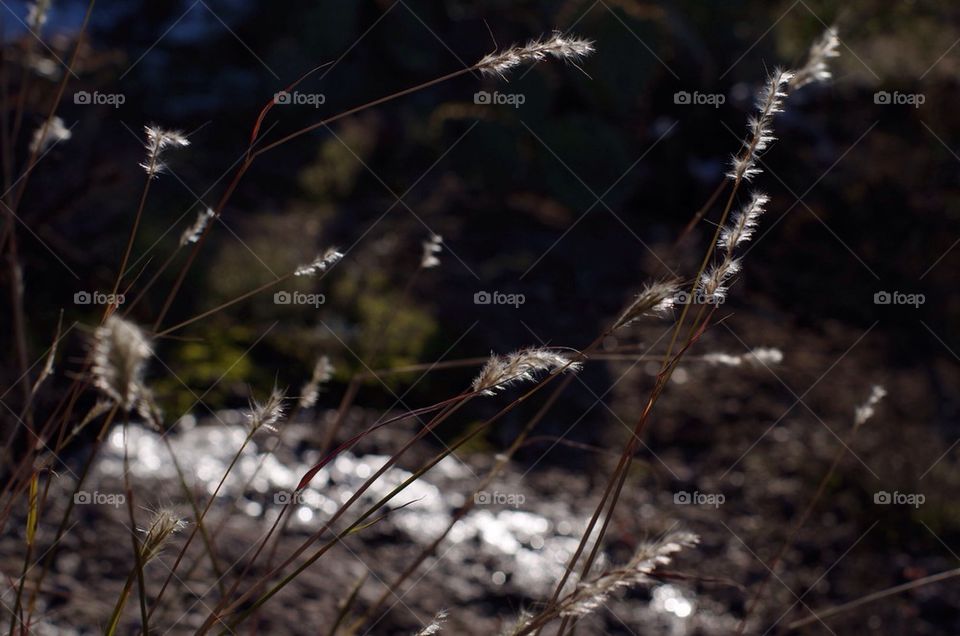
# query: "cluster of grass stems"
115, 364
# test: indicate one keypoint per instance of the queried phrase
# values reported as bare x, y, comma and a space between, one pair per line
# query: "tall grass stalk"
115, 367
743, 168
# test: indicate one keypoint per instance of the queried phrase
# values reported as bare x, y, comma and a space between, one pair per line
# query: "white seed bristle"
192, 234
769, 102
320, 264
322, 372
149, 410
120, 353
266, 414
51, 133
559, 46
591, 595
715, 282
435, 625
743, 223
761, 356
37, 14
158, 141
165, 522
655, 299
866, 410
520, 366
816, 68
430, 250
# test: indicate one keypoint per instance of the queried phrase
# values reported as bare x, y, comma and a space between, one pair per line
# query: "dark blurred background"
573, 199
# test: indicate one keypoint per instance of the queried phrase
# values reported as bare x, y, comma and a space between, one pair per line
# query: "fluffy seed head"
322, 372
435, 625
765, 356
714, 283
653, 299
770, 99
120, 353
266, 414
48, 134
816, 68
149, 410
430, 250
37, 14
866, 410
164, 523
158, 141
769, 102
520, 366
761, 356
743, 224
559, 46
591, 595
192, 233
320, 264
523, 620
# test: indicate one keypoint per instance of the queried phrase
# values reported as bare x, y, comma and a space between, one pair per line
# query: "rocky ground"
742, 446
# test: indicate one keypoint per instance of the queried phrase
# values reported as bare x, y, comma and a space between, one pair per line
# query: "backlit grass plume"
715, 282
769, 102
192, 233
743, 224
49, 133
164, 524
567, 48
760, 357
520, 366
430, 250
322, 372
158, 141
816, 68
320, 264
591, 595
435, 625
266, 414
120, 354
653, 300
866, 410
37, 15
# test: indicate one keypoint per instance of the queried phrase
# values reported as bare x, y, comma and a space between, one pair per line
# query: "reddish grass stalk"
52, 552
196, 526
217, 613
9, 231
